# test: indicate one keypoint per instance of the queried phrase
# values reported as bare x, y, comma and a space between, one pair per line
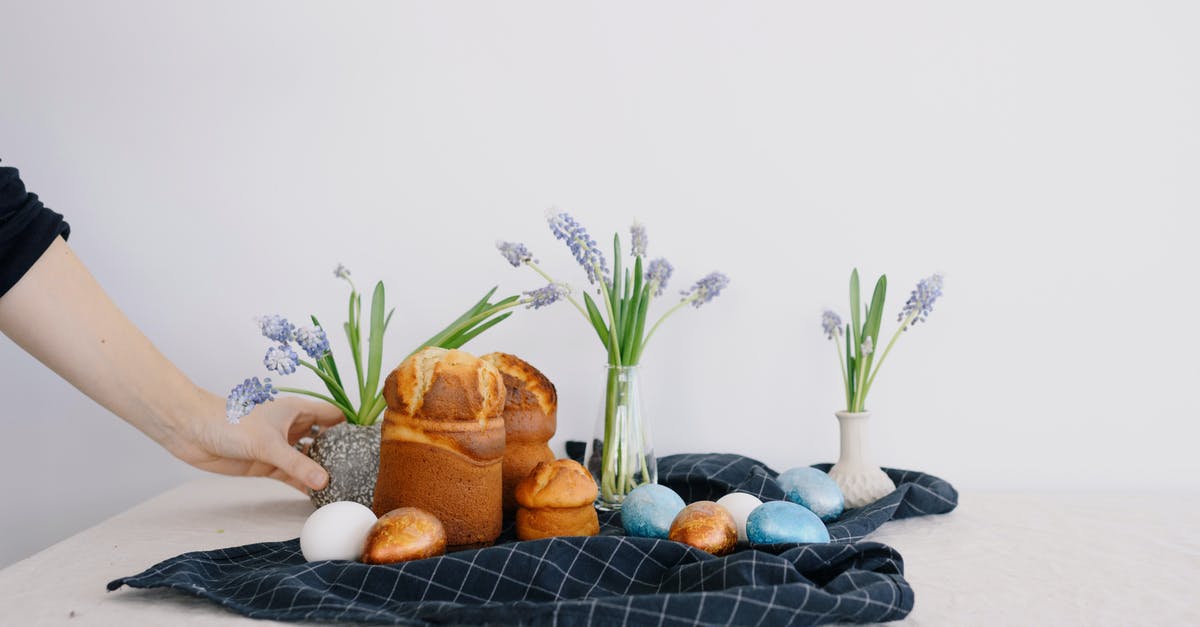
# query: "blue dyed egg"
782, 521
648, 510
815, 490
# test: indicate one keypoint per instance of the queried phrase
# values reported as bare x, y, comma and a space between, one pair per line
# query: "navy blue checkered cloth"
606, 579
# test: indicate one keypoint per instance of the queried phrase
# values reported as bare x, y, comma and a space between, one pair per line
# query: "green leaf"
615, 293
354, 333
374, 346
638, 319
452, 329
849, 367
875, 310
597, 318
507, 301
373, 413
635, 300
331, 365
855, 309
462, 339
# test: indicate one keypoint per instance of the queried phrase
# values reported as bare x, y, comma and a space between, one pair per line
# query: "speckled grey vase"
350, 454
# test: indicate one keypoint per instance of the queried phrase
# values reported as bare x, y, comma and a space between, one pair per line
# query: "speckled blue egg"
815, 490
648, 510
783, 521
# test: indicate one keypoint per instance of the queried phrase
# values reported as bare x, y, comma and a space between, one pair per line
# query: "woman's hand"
60, 315
263, 444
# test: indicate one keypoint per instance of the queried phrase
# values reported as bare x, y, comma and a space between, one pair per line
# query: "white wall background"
217, 159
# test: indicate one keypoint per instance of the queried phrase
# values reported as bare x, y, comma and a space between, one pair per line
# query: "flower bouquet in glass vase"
349, 452
622, 452
863, 482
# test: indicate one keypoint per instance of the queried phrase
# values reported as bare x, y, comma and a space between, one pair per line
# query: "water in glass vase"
622, 453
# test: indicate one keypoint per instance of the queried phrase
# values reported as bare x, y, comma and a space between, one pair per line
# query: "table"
1001, 558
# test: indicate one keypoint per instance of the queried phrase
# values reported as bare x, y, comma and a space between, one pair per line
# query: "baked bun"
530, 418
443, 443
402, 535
556, 499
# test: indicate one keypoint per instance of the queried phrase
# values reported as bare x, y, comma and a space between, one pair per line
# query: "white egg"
739, 505
336, 531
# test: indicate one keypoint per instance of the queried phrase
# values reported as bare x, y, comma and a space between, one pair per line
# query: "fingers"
283, 476
295, 465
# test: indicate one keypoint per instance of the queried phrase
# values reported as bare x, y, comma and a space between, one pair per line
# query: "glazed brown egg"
706, 526
404, 534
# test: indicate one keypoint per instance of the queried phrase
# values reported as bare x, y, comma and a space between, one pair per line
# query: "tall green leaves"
630, 298
864, 326
475, 320
480, 317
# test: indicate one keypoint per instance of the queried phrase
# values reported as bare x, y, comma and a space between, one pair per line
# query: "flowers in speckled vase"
863, 482
282, 357
349, 452
622, 456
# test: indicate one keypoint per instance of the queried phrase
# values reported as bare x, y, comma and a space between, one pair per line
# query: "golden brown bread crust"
706, 526
404, 534
549, 522
440, 384
528, 388
530, 411
560, 483
462, 492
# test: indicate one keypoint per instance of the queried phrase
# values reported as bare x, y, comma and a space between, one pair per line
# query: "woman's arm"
60, 315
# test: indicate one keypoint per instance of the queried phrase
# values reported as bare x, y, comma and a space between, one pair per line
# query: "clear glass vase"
622, 453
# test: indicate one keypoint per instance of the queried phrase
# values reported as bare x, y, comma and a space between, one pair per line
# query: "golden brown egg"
404, 534
706, 526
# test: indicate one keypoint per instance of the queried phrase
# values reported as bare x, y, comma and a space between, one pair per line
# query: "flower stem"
895, 336
660, 320
860, 365
845, 381
571, 298
324, 377
349, 413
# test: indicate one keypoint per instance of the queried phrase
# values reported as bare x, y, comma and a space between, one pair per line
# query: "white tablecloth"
1000, 559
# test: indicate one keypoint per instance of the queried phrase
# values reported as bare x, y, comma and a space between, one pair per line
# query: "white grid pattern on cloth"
603, 579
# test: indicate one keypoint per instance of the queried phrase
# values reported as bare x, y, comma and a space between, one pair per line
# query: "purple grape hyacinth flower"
544, 296
586, 252
706, 289
658, 272
831, 323
281, 359
341, 272
515, 252
313, 341
276, 328
637, 234
920, 303
246, 396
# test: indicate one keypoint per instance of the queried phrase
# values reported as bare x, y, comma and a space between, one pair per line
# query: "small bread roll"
556, 499
404, 534
442, 444
530, 412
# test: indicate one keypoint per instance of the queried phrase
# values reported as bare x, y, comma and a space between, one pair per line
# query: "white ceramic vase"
862, 482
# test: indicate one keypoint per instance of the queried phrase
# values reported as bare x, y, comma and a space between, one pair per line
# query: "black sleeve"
27, 228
